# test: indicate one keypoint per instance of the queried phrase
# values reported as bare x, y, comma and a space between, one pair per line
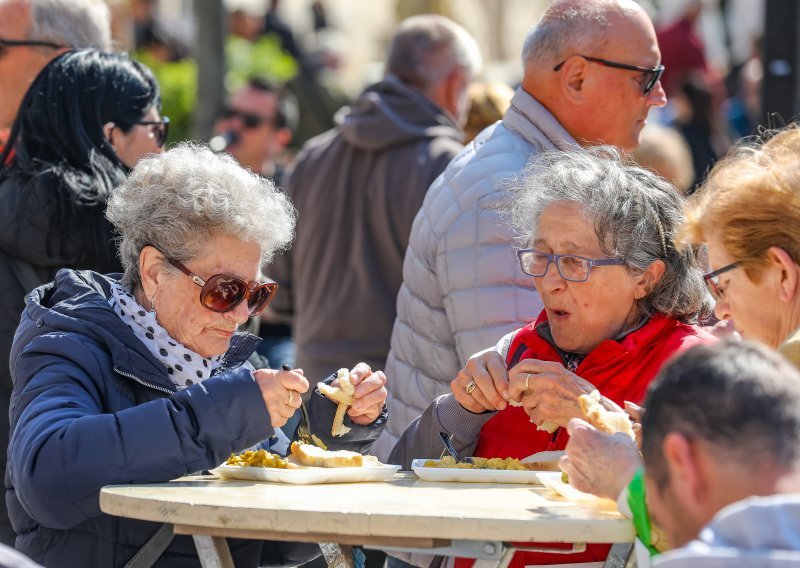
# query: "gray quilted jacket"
462, 287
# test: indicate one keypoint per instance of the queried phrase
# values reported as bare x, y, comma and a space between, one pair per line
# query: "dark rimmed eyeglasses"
6, 43
570, 266
222, 293
650, 75
712, 280
249, 119
160, 129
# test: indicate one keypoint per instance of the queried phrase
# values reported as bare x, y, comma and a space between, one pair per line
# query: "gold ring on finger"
291, 393
470, 387
527, 378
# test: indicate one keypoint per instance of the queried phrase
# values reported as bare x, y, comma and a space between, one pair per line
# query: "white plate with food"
554, 481
307, 475
308, 464
445, 470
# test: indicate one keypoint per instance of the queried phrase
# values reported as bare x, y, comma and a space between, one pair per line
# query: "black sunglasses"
222, 293
249, 120
651, 75
6, 43
160, 129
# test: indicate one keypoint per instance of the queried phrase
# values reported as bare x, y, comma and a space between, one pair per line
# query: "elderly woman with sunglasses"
618, 298
142, 377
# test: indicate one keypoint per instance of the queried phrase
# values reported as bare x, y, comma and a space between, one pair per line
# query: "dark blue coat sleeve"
67, 444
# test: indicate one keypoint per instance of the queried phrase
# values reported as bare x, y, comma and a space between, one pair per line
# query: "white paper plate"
552, 480
472, 475
307, 475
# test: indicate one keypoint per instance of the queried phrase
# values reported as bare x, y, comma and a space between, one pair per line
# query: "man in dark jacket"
357, 189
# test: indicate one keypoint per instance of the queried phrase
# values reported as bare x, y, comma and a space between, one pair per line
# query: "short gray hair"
176, 200
74, 23
569, 25
416, 51
635, 213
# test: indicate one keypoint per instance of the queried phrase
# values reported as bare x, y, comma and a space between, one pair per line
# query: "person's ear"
151, 271
108, 132
572, 79
788, 273
649, 278
685, 473
283, 137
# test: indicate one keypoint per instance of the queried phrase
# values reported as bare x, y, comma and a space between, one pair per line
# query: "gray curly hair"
636, 215
176, 200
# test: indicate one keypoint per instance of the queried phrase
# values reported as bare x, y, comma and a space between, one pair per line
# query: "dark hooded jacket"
357, 189
92, 407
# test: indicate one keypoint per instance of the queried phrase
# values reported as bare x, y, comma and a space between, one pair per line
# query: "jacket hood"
77, 302
391, 113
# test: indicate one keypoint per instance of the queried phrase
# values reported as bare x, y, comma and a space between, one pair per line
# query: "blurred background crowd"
324, 52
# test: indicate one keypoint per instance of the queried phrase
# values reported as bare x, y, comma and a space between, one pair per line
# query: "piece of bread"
603, 419
344, 395
314, 456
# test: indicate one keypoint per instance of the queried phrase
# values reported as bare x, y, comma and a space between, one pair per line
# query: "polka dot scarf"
184, 366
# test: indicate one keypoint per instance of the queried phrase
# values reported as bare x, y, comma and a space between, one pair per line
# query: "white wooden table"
475, 520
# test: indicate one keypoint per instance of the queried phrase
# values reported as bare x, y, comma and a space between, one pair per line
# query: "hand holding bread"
360, 393
547, 391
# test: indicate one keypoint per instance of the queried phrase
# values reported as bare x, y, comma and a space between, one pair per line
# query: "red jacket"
620, 370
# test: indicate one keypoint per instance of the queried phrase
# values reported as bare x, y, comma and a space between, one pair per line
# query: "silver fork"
304, 429
448, 443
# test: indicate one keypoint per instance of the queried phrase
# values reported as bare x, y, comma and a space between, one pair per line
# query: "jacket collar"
530, 119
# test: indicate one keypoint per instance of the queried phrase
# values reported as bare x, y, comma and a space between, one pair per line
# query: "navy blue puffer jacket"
92, 407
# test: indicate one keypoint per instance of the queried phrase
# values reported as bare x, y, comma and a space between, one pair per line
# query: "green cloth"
638, 506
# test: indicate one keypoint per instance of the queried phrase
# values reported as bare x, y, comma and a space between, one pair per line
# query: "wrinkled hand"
369, 395
550, 393
599, 463
282, 392
488, 370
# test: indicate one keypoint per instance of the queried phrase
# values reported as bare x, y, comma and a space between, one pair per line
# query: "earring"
153, 306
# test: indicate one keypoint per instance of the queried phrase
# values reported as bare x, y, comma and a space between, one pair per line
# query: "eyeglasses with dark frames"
712, 280
651, 75
6, 43
249, 119
571, 267
160, 130
222, 293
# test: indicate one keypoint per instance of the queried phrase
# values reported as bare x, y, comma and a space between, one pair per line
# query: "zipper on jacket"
142, 382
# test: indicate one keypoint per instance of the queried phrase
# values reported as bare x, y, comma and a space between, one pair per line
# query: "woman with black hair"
85, 121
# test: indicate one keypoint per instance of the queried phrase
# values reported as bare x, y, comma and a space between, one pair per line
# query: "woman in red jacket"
619, 301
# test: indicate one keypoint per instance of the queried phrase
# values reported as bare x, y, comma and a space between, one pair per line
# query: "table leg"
213, 551
337, 555
621, 556
505, 560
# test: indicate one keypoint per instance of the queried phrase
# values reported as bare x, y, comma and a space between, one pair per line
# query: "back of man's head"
72, 23
741, 399
427, 48
570, 26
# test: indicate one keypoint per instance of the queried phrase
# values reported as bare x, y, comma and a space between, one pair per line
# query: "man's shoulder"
485, 166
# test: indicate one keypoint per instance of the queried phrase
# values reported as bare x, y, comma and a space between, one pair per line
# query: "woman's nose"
722, 310
552, 279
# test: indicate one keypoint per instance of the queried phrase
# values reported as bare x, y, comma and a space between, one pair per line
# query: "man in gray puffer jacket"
592, 70
357, 189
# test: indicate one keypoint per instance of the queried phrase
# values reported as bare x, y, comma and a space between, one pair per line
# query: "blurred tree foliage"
264, 58
178, 82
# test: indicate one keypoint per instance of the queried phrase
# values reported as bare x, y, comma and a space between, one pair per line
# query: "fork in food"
304, 429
